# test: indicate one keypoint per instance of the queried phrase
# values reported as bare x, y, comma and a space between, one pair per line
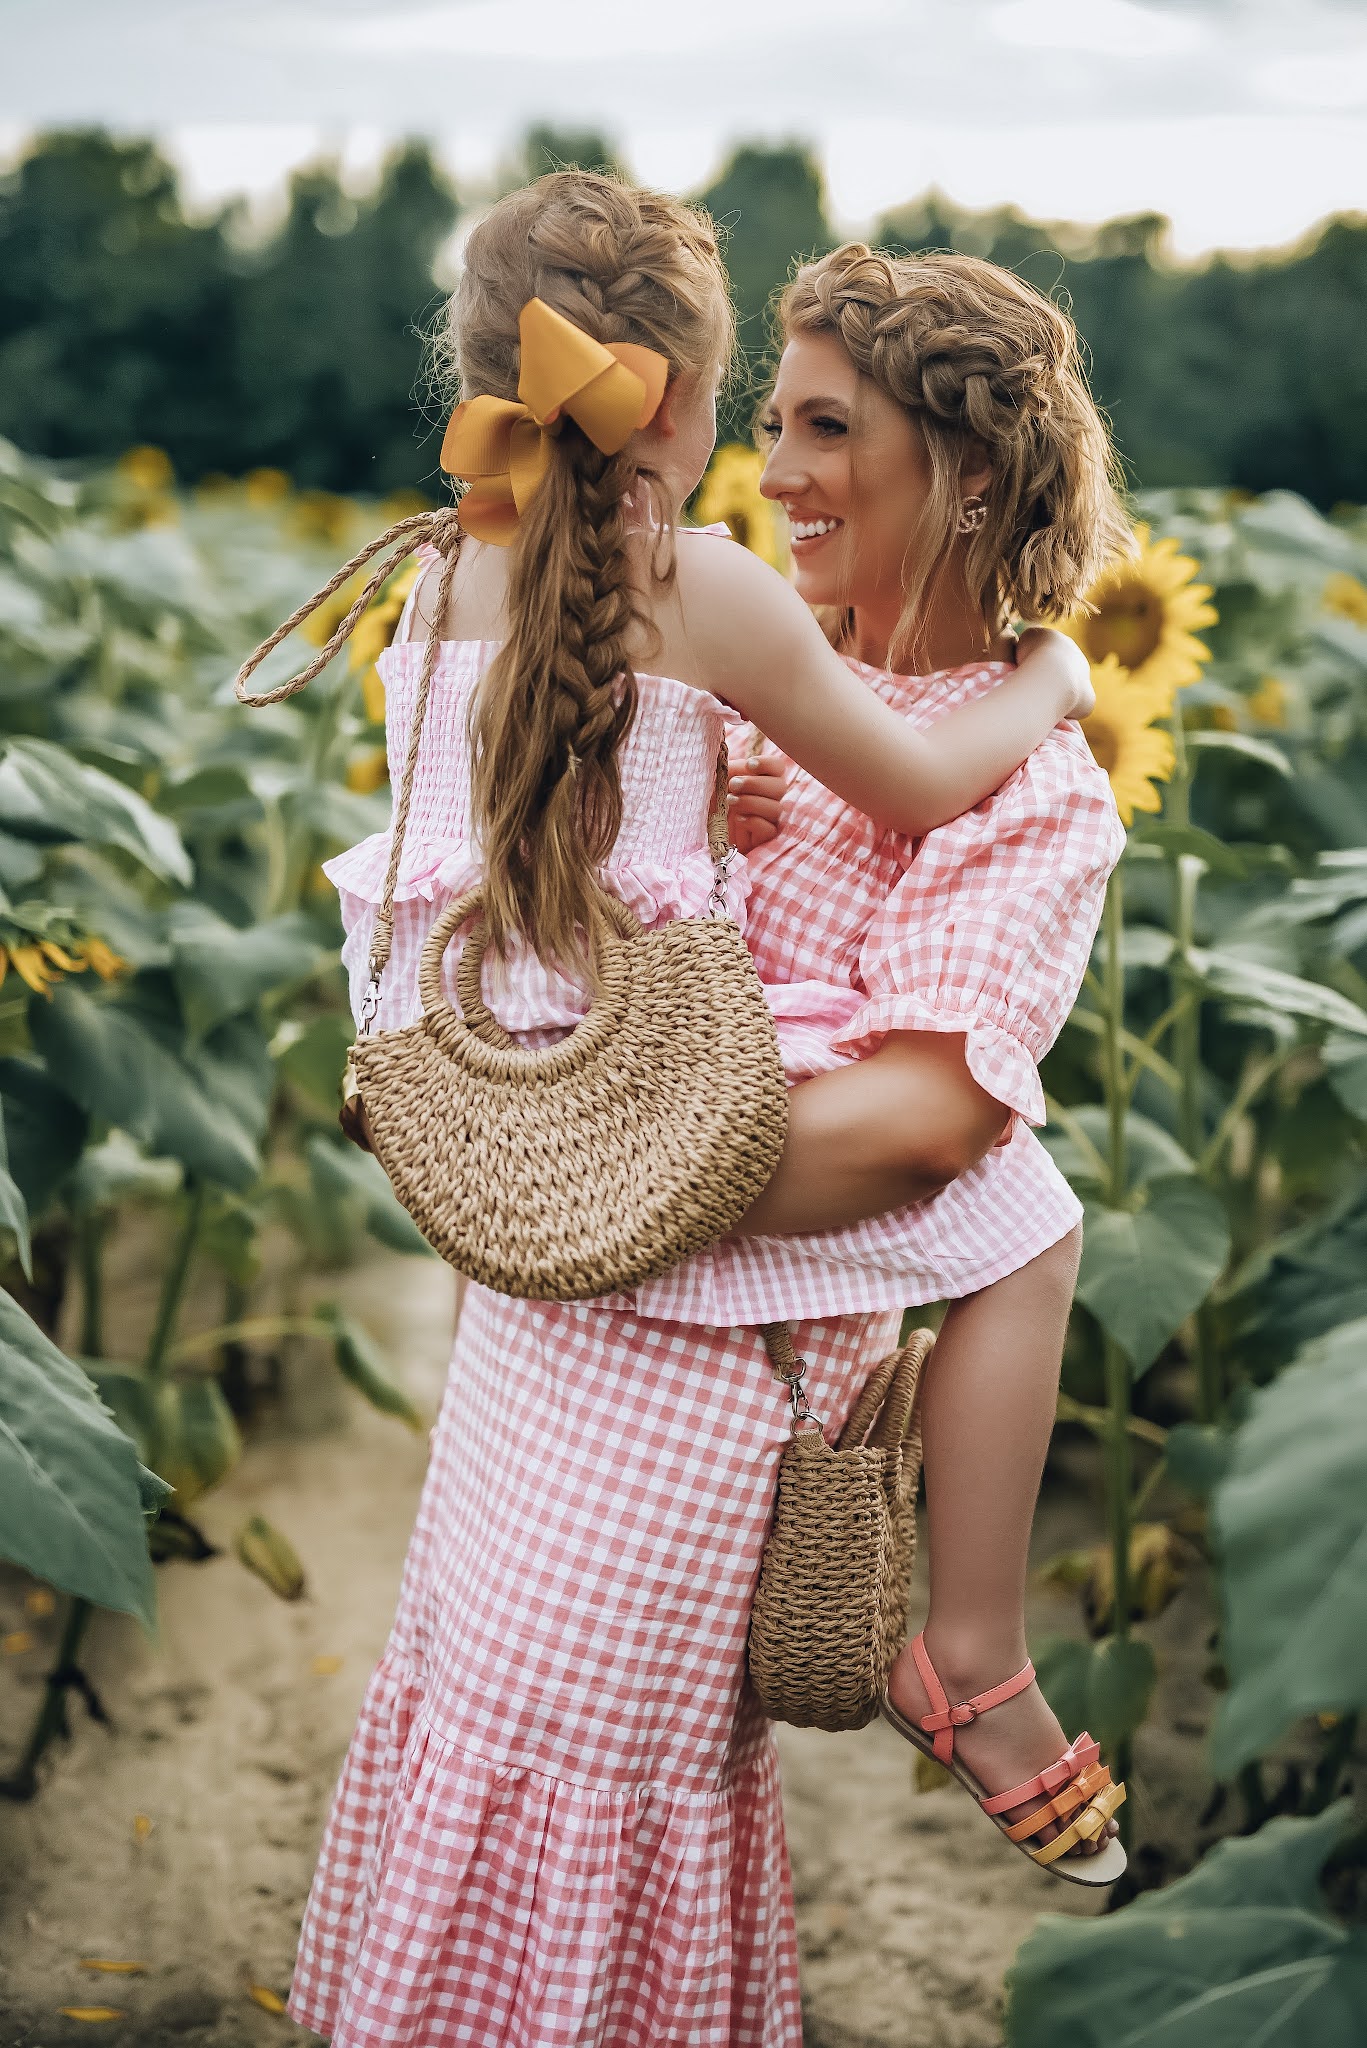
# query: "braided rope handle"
439, 530
474, 1011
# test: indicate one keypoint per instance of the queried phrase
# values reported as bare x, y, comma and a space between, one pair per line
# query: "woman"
560, 1818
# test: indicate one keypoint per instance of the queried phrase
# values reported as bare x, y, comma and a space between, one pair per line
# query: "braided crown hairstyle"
624, 265
975, 354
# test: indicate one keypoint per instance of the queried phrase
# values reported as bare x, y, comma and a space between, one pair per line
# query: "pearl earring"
972, 515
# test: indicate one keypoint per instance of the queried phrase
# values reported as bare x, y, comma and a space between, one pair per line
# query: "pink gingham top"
984, 927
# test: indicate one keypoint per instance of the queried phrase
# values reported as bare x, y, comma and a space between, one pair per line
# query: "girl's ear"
975, 471
666, 420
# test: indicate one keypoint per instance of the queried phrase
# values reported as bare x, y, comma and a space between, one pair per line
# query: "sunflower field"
173, 1029
173, 1020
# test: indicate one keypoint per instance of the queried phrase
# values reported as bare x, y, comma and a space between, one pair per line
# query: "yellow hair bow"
501, 446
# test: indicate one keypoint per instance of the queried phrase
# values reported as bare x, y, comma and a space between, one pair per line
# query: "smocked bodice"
667, 763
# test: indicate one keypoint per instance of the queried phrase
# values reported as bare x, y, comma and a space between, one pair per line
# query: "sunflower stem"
154, 1365
1117, 1094
1116, 1442
1185, 1009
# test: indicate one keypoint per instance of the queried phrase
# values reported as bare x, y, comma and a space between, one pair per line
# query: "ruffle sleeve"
527, 997
990, 930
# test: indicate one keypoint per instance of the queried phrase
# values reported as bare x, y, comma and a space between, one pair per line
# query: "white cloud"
581, 34
1337, 80
1232, 182
1106, 28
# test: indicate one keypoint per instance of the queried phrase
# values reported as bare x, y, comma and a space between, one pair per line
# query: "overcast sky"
1244, 120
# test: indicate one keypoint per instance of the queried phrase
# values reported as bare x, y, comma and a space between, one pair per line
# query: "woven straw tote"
830, 1610
597, 1163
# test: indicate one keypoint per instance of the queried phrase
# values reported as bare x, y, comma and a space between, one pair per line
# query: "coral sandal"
1083, 1794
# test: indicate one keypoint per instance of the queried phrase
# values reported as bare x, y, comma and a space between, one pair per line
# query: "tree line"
124, 321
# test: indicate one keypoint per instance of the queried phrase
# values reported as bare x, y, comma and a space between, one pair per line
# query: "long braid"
554, 707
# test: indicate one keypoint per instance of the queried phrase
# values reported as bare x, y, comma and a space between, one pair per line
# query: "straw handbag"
587, 1166
596, 1163
830, 1611
591, 1165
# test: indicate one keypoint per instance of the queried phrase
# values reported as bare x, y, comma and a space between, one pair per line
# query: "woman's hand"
756, 800
1076, 668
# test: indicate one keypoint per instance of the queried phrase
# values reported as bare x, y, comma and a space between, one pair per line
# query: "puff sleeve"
991, 928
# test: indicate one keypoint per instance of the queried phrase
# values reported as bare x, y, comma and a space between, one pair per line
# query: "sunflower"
366, 770
1346, 597
264, 488
41, 961
147, 469
1148, 609
730, 496
321, 515
1135, 752
1270, 702
373, 634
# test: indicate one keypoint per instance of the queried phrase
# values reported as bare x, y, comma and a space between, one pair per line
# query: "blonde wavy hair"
552, 711
975, 354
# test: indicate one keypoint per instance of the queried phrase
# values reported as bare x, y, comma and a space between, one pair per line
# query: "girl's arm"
892, 1129
761, 650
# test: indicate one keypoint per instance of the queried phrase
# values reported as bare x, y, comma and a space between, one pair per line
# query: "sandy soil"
227, 1735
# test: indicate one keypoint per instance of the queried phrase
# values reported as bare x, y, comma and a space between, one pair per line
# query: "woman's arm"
893, 1129
761, 650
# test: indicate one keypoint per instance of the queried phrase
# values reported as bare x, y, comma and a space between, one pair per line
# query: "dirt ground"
228, 1732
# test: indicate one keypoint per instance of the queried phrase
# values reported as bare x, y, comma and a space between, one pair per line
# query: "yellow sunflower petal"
1135, 752
370, 638
147, 469
265, 487
105, 961
31, 967
367, 771
1270, 701
730, 496
60, 958
372, 695
1346, 597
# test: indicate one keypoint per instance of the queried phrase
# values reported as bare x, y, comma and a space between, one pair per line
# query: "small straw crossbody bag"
830, 1609
588, 1166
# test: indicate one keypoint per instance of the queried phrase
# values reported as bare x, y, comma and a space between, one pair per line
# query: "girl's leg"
987, 1411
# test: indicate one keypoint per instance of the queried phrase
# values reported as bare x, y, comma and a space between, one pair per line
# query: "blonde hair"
552, 711
975, 353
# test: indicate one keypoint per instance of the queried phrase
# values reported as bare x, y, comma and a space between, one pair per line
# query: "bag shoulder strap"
441, 531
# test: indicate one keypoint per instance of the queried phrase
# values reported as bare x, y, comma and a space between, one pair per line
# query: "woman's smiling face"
850, 533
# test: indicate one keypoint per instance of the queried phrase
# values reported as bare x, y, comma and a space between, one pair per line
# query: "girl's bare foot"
1003, 1747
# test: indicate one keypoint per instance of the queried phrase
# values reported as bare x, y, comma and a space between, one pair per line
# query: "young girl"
559, 1819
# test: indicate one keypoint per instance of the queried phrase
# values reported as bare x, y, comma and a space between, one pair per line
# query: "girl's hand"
1077, 670
756, 800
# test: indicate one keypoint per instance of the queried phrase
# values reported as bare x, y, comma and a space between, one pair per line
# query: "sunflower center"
1129, 625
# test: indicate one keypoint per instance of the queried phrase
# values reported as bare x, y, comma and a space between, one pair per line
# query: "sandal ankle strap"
944, 1718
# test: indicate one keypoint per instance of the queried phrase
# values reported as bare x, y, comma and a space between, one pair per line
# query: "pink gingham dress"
559, 1820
